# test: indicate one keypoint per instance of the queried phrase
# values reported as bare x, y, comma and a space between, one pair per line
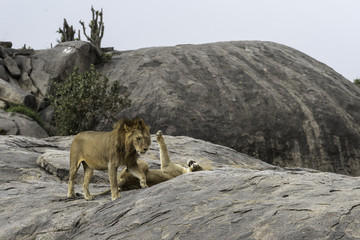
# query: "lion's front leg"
112, 170
136, 171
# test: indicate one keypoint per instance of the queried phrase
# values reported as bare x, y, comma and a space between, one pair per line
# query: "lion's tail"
102, 193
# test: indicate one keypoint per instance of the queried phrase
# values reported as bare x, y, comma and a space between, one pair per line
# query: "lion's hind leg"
72, 174
156, 176
88, 173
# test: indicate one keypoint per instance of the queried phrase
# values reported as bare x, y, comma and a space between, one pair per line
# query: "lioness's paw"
143, 184
190, 162
193, 165
159, 136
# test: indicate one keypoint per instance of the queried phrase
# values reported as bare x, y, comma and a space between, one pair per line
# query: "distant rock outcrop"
261, 98
26, 75
242, 198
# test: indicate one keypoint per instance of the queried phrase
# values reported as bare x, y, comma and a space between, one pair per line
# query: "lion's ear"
147, 128
127, 128
117, 125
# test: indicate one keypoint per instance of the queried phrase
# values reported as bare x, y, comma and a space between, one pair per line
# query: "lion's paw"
143, 184
159, 136
115, 196
193, 165
89, 198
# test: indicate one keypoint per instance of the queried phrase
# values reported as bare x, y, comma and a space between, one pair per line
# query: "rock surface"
12, 93
261, 98
19, 124
57, 63
242, 198
12, 67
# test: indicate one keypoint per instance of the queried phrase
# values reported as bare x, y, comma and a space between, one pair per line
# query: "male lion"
168, 170
107, 151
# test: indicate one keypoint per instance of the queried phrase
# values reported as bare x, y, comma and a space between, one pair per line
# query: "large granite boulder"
261, 98
242, 198
58, 62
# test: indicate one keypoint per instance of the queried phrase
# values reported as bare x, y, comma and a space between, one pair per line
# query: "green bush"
83, 100
357, 82
19, 108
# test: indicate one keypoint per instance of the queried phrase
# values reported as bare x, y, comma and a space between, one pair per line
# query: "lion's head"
137, 134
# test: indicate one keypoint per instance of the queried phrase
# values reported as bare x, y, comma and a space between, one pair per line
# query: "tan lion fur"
108, 151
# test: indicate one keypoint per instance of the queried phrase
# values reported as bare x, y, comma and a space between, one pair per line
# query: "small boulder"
12, 67
24, 63
7, 126
3, 74
26, 83
41, 80
6, 44
19, 124
12, 93
3, 53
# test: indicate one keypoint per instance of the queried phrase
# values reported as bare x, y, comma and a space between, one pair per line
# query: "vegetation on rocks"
96, 27
96, 33
357, 82
20, 108
67, 33
84, 100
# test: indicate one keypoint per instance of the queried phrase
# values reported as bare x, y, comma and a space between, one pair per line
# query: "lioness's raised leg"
164, 155
88, 173
172, 168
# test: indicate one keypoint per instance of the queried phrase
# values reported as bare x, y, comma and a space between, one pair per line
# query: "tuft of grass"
26, 111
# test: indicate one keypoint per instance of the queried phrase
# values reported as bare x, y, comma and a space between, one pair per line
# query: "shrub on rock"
84, 100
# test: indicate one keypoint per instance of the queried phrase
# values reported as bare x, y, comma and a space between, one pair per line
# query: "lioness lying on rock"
168, 170
107, 151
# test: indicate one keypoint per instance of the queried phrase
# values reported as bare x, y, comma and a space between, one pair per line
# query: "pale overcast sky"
328, 30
